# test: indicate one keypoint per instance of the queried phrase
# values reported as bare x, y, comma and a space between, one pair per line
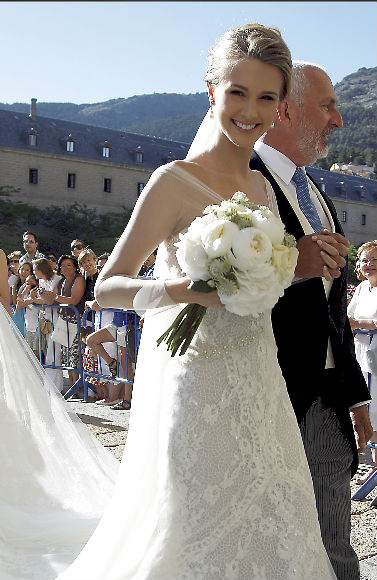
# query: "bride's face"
246, 101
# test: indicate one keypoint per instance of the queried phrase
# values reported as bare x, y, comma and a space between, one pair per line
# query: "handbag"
44, 324
64, 332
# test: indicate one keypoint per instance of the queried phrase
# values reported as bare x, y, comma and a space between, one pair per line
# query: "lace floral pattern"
239, 483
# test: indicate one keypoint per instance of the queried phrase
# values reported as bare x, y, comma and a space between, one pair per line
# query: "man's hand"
321, 255
361, 425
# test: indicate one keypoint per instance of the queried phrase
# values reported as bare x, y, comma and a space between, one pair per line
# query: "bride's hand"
180, 293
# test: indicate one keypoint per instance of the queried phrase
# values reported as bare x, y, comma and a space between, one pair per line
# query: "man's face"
318, 117
30, 244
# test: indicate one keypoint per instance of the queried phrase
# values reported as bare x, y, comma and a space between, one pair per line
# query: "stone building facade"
55, 162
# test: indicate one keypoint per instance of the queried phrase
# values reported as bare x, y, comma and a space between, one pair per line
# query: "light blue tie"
304, 201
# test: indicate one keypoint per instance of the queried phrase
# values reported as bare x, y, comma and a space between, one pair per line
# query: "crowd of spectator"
37, 281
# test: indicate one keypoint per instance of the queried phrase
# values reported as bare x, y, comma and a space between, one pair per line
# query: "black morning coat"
302, 321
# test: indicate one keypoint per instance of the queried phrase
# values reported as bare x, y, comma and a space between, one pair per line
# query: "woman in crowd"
35, 340
362, 313
69, 290
204, 499
24, 270
48, 280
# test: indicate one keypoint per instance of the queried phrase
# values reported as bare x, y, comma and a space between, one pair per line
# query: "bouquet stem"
181, 332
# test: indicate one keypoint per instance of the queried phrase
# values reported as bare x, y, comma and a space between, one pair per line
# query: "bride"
198, 497
56, 479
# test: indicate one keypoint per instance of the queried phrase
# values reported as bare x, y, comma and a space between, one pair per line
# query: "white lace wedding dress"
214, 483
56, 479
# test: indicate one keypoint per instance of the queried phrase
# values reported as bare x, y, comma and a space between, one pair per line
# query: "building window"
140, 187
107, 185
341, 188
70, 144
139, 154
344, 216
106, 149
71, 181
33, 137
363, 219
33, 176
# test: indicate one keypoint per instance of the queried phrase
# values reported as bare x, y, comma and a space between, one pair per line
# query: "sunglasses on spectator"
77, 247
14, 261
51, 258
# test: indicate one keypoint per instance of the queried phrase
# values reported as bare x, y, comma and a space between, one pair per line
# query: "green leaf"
200, 286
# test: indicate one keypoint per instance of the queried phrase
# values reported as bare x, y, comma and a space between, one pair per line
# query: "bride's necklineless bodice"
187, 176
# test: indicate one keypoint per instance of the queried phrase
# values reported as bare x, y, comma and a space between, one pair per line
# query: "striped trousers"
329, 457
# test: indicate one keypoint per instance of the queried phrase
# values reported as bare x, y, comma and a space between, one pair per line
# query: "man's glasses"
29, 241
14, 261
52, 259
77, 247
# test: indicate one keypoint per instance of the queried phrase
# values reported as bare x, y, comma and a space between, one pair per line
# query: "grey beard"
308, 143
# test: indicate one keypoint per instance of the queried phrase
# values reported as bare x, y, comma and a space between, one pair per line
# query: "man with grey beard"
312, 332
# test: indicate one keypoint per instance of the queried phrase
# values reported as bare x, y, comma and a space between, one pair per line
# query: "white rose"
217, 237
266, 221
284, 260
196, 228
254, 296
251, 247
192, 258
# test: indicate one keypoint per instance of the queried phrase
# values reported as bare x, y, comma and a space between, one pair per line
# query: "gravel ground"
111, 428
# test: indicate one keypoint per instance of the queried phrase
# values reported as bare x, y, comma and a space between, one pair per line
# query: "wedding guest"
51, 257
87, 261
77, 246
4, 288
48, 281
323, 378
18, 315
362, 313
12, 266
69, 290
101, 260
35, 340
30, 243
14, 261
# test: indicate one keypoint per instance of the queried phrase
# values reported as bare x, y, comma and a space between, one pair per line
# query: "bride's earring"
211, 103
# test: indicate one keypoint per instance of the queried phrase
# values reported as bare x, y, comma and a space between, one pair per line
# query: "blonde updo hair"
367, 246
251, 40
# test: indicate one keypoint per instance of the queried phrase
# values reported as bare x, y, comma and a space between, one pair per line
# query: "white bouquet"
239, 249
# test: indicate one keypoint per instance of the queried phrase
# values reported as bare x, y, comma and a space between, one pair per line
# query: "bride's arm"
157, 215
4, 287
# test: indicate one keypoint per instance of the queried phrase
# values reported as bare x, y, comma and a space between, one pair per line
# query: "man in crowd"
77, 246
30, 243
313, 336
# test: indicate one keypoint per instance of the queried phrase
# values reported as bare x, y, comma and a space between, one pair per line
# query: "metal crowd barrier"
133, 324
371, 482
131, 318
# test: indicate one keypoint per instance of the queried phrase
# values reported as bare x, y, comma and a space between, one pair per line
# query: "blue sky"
88, 52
